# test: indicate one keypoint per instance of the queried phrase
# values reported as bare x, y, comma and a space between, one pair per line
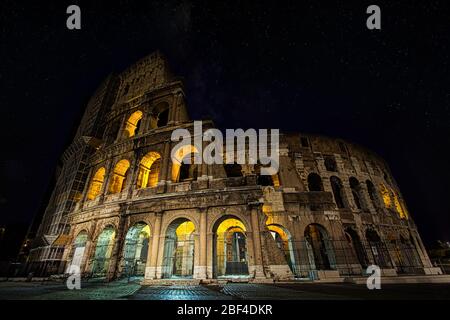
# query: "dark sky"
297, 66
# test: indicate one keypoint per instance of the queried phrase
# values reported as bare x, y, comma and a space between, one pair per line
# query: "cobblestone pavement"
99, 290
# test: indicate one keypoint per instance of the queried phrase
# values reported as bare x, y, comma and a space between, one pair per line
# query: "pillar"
200, 270
152, 257
256, 237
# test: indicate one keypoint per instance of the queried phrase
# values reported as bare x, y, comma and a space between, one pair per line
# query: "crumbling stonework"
121, 207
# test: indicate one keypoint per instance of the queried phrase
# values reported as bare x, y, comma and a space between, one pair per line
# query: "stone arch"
159, 116
179, 248
133, 124
284, 242
357, 193
377, 248
338, 192
230, 247
183, 167
119, 176
373, 195
95, 187
356, 244
320, 247
136, 248
148, 172
103, 250
315, 182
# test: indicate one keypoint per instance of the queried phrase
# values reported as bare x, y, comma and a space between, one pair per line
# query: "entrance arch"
136, 249
79, 246
358, 248
103, 251
319, 244
230, 248
379, 251
178, 258
284, 242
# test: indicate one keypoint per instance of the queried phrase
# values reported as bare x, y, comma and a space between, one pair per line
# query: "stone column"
200, 271
152, 257
255, 208
164, 174
117, 249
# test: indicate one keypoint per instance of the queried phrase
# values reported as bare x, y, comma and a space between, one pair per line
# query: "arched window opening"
163, 118
386, 196
136, 250
266, 180
133, 123
315, 182
79, 246
103, 251
322, 250
233, 170
336, 186
398, 206
284, 242
372, 193
118, 179
230, 248
149, 168
183, 166
357, 246
178, 258
113, 131
357, 193
330, 164
96, 184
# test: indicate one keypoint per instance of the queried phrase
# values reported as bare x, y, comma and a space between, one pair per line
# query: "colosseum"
121, 207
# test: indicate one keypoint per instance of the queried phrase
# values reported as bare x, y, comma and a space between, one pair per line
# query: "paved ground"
123, 289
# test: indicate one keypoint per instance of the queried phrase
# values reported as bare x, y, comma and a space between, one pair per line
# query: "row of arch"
231, 253
388, 197
159, 117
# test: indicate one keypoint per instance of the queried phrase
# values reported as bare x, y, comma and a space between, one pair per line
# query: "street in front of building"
123, 289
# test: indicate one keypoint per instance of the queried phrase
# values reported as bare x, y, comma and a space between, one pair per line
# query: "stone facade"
122, 207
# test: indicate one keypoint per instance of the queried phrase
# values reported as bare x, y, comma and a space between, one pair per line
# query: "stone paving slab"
177, 292
269, 292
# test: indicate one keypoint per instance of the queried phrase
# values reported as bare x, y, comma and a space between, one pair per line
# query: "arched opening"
385, 196
330, 164
136, 249
118, 179
103, 251
372, 193
266, 180
160, 115
284, 242
96, 184
79, 246
230, 248
178, 258
319, 243
314, 182
356, 193
148, 173
378, 249
336, 186
183, 166
233, 170
133, 123
357, 246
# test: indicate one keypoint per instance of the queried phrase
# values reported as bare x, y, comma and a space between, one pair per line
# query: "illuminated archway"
96, 184
118, 179
181, 169
133, 123
103, 251
178, 258
284, 242
320, 246
378, 249
79, 246
149, 170
136, 249
230, 248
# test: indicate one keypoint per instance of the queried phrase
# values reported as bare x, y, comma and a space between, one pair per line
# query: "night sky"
297, 66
